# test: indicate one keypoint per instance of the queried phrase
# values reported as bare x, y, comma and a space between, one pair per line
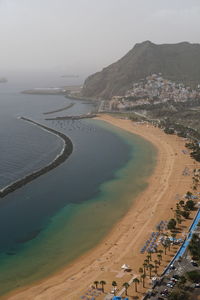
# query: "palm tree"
178, 219
96, 283
156, 266
159, 256
174, 236
146, 261
194, 188
149, 257
143, 276
168, 243
126, 285
181, 202
141, 270
145, 266
114, 284
136, 281
150, 268
165, 247
102, 282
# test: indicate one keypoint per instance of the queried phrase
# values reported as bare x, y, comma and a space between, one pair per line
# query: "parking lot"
170, 279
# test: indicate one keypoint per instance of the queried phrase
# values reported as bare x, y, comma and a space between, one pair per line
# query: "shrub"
194, 276
171, 224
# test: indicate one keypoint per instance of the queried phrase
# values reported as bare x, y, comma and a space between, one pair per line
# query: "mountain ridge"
178, 62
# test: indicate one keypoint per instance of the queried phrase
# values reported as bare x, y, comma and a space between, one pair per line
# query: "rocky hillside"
178, 62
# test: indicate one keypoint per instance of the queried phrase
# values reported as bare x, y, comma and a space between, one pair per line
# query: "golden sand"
123, 243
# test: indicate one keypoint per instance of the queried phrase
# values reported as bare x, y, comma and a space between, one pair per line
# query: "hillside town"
153, 89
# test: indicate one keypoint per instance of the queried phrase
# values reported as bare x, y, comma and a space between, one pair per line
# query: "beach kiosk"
126, 267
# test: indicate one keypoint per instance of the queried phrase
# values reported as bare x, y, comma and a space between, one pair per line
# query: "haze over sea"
57, 217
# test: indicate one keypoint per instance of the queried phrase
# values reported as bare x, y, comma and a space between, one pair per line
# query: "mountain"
178, 62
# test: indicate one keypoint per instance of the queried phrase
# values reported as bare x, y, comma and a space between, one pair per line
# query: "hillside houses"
153, 90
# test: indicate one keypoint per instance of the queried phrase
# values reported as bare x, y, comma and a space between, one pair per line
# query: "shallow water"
57, 217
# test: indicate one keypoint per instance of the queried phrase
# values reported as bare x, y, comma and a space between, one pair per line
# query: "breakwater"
58, 110
66, 151
87, 116
45, 91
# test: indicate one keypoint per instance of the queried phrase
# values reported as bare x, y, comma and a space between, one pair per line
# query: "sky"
84, 36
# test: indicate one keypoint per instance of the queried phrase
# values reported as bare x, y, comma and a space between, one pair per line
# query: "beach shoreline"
124, 241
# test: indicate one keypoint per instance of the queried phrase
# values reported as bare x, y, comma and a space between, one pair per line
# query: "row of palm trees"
102, 283
126, 285
150, 265
181, 207
195, 150
196, 178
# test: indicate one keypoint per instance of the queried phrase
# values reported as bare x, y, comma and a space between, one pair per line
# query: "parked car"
173, 279
195, 264
172, 267
176, 276
171, 284
164, 292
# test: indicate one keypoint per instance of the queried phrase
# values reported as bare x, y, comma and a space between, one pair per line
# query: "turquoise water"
51, 221
78, 227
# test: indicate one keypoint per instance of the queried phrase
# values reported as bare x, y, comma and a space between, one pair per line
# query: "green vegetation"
171, 224
178, 295
126, 286
136, 282
102, 282
96, 283
190, 204
114, 284
194, 276
194, 247
194, 146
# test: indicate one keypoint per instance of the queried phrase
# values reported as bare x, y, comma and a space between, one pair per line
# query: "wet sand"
123, 243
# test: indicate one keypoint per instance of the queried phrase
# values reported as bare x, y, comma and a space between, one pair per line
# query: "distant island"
3, 80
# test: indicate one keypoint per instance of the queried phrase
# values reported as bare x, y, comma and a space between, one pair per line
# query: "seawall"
65, 153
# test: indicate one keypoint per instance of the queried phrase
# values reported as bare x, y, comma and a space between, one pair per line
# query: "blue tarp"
118, 298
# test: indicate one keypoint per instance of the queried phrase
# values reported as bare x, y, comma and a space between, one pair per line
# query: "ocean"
54, 219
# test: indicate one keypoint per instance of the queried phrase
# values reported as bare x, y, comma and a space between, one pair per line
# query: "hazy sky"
83, 36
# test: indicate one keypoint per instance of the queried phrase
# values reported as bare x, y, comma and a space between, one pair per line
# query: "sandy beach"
123, 243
